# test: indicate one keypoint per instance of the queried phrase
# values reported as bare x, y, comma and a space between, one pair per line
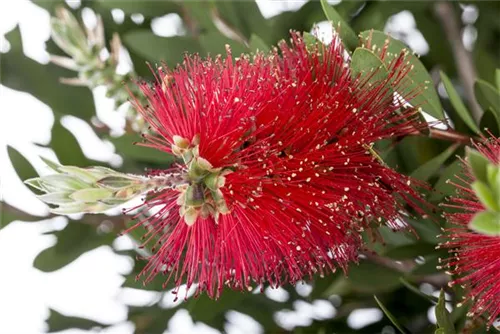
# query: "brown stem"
445, 13
449, 135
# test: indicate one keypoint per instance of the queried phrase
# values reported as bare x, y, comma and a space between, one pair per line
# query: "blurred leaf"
8, 214
157, 49
429, 265
426, 229
443, 316
59, 322
389, 315
418, 76
491, 122
369, 277
244, 17
497, 78
410, 251
428, 169
42, 81
66, 147
487, 96
214, 43
257, 44
417, 291
73, 241
126, 146
457, 103
146, 8
345, 31
21, 165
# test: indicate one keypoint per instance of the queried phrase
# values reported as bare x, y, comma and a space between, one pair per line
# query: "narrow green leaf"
443, 187
487, 96
91, 195
390, 316
53, 165
443, 316
417, 291
345, 31
257, 44
478, 164
458, 104
21, 165
418, 77
431, 167
66, 147
487, 223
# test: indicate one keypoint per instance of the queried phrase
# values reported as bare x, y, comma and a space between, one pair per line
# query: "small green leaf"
53, 165
487, 96
431, 167
389, 315
485, 195
458, 104
345, 31
487, 223
443, 316
418, 77
478, 164
21, 165
257, 44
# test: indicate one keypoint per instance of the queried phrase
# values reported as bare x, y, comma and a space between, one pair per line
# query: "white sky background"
90, 286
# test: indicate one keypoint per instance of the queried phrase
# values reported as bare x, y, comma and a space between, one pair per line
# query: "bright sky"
90, 286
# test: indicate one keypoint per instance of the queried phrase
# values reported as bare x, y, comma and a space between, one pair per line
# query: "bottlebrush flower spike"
474, 257
277, 149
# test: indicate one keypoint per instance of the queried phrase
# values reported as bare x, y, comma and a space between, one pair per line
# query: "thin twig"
445, 12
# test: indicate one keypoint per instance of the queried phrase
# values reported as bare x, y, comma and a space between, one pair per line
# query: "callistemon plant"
474, 239
276, 176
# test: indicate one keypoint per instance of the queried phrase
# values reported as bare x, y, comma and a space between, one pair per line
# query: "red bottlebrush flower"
280, 174
475, 257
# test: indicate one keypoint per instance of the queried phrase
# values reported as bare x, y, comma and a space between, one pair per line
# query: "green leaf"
443, 187
478, 164
21, 165
497, 78
490, 121
345, 31
157, 49
410, 251
458, 104
389, 315
431, 167
365, 63
419, 78
66, 147
417, 291
487, 223
485, 195
76, 239
59, 322
443, 316
8, 214
257, 44
148, 9
369, 277
487, 96
125, 145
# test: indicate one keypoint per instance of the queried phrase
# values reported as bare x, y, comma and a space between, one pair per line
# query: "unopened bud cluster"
201, 196
85, 48
92, 190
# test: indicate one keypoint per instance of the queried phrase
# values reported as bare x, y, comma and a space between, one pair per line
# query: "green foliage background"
424, 157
